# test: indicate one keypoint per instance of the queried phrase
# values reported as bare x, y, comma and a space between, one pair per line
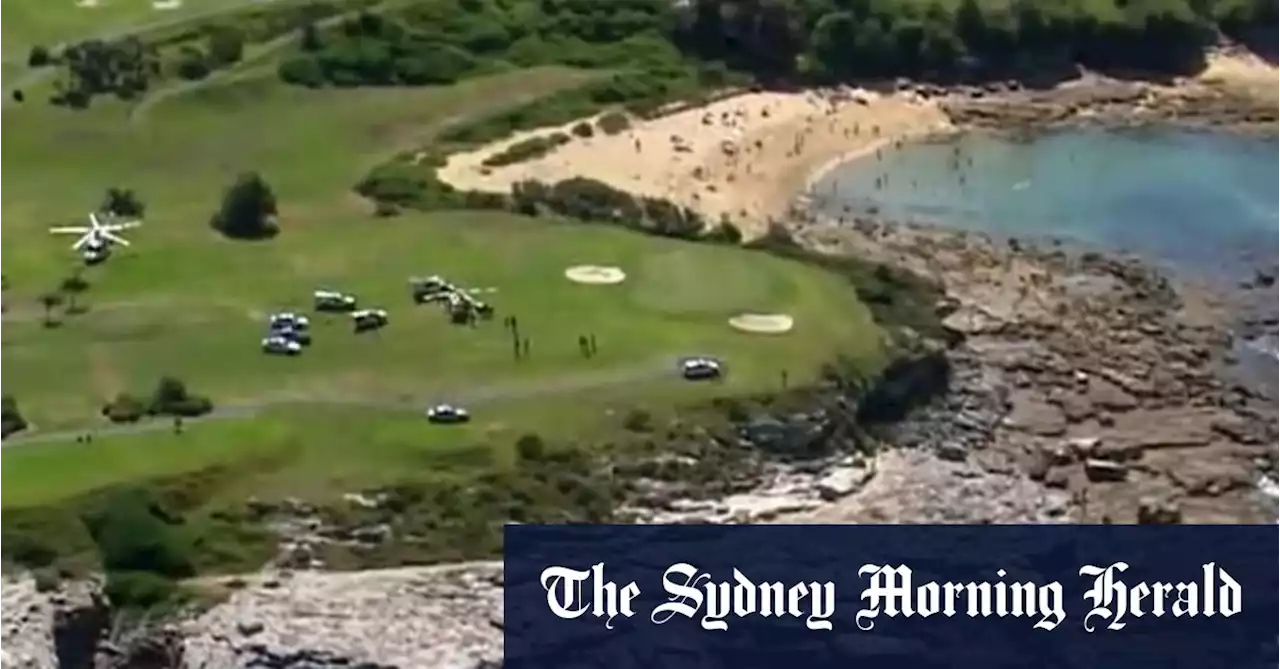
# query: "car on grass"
302, 337
277, 345
445, 414
288, 319
369, 319
334, 301
699, 369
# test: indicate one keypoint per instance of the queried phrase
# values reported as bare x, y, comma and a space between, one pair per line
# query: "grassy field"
182, 301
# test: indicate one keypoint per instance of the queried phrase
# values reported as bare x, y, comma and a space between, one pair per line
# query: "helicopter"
96, 239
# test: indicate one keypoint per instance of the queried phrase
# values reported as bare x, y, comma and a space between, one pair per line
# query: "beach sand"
1242, 72
745, 157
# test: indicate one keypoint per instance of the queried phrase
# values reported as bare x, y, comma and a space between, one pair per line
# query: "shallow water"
1202, 202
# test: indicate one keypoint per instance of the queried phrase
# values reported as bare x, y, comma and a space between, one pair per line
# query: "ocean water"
1202, 203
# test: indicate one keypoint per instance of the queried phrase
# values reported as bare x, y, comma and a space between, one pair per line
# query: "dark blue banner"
891, 597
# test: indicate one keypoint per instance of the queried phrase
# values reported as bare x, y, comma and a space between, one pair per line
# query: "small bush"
171, 398
11, 419
139, 589
638, 420
527, 149
530, 448
39, 56
47, 579
725, 233
613, 123
125, 408
301, 71
583, 130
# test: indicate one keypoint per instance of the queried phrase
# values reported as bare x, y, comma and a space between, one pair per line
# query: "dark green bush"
11, 420
124, 408
613, 123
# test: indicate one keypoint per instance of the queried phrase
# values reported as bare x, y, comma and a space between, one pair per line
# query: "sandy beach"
744, 157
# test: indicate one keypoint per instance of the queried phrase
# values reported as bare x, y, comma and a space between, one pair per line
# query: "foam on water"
1203, 202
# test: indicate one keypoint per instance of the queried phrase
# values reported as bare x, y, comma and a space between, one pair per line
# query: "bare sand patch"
743, 158
88, 4
595, 275
762, 323
1242, 72
165, 5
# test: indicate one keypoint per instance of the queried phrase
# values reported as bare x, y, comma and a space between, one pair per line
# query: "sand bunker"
87, 4
762, 323
165, 5
595, 275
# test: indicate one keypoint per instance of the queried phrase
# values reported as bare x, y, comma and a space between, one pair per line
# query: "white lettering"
890, 591
692, 591
564, 594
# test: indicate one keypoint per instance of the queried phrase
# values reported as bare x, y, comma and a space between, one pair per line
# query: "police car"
278, 345
293, 334
447, 413
369, 319
697, 369
332, 300
288, 319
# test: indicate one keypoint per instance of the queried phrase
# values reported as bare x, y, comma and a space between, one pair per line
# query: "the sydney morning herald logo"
892, 592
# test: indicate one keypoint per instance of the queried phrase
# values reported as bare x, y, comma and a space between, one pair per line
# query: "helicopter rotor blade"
76, 230
114, 237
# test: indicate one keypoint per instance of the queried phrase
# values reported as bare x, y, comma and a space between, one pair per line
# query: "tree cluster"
124, 68
170, 398
843, 39
440, 42
779, 40
127, 67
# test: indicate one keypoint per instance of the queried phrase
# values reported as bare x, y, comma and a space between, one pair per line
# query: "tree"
248, 209
50, 301
311, 38
72, 287
39, 56
18, 95
530, 448
132, 537
11, 419
123, 202
226, 45
171, 398
193, 64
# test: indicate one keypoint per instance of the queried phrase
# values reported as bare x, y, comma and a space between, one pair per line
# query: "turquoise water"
1200, 202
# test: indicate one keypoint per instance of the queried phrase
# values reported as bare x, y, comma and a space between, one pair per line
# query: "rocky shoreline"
1094, 100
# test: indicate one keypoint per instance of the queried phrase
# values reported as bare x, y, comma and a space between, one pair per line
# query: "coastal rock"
842, 482
385, 619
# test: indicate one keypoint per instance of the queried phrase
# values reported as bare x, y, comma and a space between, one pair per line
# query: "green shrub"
11, 419
301, 71
527, 149
139, 590
132, 536
171, 398
124, 408
613, 123
638, 420
583, 130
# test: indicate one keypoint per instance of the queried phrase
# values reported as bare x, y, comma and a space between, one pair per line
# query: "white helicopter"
96, 240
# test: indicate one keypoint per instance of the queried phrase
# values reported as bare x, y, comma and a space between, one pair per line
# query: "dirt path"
468, 397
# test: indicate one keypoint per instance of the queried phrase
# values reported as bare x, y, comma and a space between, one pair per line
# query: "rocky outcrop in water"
1094, 100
